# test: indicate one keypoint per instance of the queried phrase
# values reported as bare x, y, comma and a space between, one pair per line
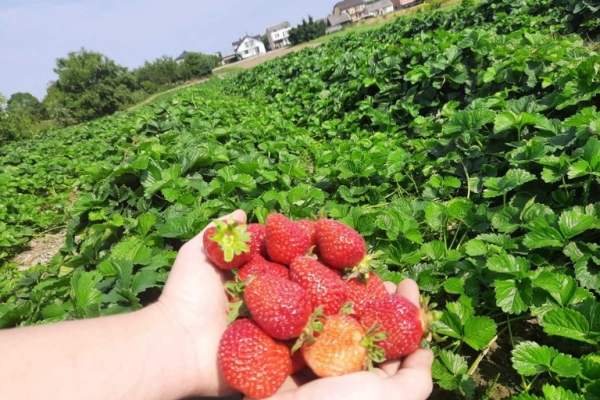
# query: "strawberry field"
463, 144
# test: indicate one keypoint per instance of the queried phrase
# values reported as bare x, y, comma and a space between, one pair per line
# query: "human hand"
195, 302
409, 379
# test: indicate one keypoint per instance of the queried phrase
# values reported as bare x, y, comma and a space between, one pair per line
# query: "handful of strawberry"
292, 309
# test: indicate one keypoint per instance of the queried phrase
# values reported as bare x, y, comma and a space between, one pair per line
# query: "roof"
182, 56
378, 5
334, 20
278, 27
346, 4
238, 42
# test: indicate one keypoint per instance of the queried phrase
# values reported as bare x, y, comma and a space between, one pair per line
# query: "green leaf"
567, 323
435, 215
83, 289
590, 364
559, 393
529, 358
508, 264
476, 247
453, 362
572, 223
143, 280
543, 237
479, 331
513, 297
501, 186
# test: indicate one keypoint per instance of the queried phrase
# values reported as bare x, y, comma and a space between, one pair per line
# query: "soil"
271, 55
40, 251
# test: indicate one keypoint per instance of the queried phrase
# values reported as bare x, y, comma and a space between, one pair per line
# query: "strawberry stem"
375, 354
315, 324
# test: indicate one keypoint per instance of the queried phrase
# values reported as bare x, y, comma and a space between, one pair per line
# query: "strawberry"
403, 322
298, 362
280, 307
285, 239
363, 291
310, 229
338, 348
339, 245
251, 361
226, 244
259, 266
258, 239
324, 286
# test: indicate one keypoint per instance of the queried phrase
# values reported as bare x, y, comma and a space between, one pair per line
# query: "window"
245, 52
277, 35
247, 45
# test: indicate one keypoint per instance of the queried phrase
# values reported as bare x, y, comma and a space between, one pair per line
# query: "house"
279, 35
181, 57
249, 46
354, 8
337, 22
400, 4
378, 8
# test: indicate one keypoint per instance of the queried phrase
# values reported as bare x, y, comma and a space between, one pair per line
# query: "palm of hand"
195, 299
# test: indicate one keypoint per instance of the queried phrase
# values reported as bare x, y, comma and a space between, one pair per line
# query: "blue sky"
34, 33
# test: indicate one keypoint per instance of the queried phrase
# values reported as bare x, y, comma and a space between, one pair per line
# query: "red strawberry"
285, 239
258, 239
324, 286
298, 362
226, 244
279, 306
363, 291
259, 266
339, 245
338, 348
310, 229
404, 323
251, 361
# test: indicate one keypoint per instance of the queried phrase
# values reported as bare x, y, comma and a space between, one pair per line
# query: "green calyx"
315, 324
237, 306
375, 354
365, 267
232, 238
429, 316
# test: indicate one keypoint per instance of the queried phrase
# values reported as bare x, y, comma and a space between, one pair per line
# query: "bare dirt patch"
40, 251
254, 61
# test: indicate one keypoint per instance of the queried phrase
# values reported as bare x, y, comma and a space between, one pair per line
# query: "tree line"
91, 85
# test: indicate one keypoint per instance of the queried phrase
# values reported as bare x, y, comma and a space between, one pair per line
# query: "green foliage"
29, 104
307, 31
462, 144
16, 120
197, 65
89, 86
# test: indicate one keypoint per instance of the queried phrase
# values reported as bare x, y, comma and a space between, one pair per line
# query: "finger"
390, 367
390, 286
409, 289
413, 379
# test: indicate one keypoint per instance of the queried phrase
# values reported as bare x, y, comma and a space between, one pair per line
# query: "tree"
197, 65
307, 31
162, 71
14, 122
89, 86
29, 104
265, 40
